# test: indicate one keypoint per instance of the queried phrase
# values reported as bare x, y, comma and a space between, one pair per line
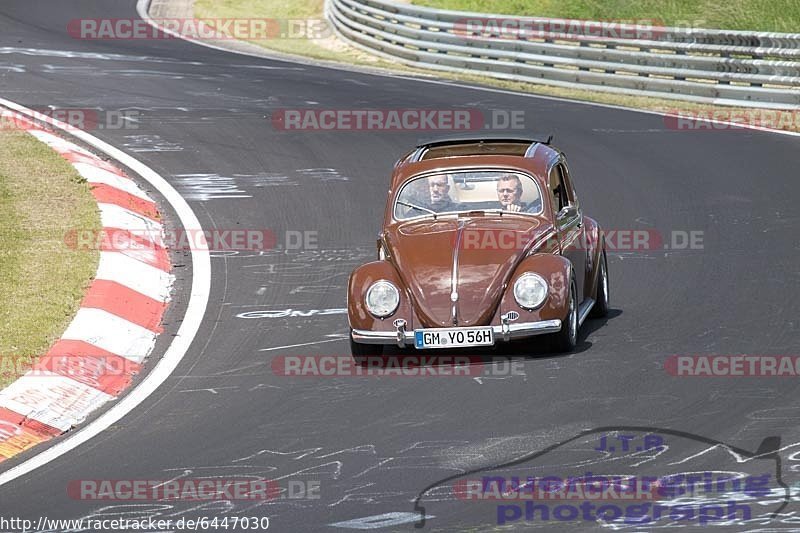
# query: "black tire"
602, 300
360, 351
566, 340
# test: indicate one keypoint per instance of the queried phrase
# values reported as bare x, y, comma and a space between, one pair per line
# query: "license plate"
453, 338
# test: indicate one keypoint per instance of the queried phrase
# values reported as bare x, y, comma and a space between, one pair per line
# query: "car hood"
485, 252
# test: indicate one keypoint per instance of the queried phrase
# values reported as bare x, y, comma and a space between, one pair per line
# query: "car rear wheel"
567, 339
601, 304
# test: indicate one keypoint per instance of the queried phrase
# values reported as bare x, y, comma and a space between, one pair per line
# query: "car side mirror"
568, 211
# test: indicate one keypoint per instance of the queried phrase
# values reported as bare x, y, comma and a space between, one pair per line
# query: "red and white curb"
116, 326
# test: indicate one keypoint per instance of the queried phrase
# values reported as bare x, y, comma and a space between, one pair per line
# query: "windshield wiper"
434, 213
483, 212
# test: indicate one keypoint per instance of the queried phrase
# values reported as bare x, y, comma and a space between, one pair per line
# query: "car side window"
558, 189
573, 200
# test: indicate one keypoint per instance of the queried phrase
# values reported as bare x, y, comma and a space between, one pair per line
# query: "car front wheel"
601, 304
567, 339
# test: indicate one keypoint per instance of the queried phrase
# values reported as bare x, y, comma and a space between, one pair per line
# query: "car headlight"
382, 298
530, 290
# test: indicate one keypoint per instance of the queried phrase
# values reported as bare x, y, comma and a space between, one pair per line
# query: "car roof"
486, 138
449, 154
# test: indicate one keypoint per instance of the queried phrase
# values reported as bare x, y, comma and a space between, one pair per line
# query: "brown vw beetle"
483, 241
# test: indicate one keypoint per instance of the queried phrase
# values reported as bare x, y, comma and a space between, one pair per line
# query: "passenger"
509, 192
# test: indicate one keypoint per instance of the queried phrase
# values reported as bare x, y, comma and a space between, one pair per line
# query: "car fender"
557, 272
595, 244
360, 280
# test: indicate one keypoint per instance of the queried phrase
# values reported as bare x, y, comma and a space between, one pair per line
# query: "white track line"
58, 144
142, 7
195, 310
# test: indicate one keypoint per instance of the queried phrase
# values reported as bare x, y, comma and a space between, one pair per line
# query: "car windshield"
454, 192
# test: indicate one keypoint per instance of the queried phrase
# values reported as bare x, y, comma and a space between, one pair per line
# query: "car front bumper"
503, 332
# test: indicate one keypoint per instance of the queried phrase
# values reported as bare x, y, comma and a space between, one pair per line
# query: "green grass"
42, 281
763, 15
273, 9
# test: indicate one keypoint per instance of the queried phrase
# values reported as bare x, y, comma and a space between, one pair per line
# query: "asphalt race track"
398, 445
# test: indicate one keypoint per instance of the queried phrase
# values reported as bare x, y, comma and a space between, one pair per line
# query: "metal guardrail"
753, 69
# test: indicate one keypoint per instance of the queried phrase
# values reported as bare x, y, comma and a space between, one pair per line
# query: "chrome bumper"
504, 332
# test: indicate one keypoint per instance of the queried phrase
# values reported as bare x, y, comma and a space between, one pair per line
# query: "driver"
439, 189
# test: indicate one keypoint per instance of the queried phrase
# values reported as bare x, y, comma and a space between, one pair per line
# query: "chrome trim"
531, 151
576, 221
396, 307
554, 160
529, 329
454, 307
418, 153
364, 336
542, 239
505, 321
583, 310
400, 324
454, 273
514, 290
504, 332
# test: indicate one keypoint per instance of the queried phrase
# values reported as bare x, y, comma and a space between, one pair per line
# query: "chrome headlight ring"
530, 291
382, 298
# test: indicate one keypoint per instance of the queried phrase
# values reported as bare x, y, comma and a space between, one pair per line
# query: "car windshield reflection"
488, 191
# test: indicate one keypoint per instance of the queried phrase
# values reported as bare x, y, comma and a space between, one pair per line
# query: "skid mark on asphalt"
69, 54
150, 143
210, 186
379, 521
323, 174
309, 275
213, 186
312, 343
212, 390
21, 69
